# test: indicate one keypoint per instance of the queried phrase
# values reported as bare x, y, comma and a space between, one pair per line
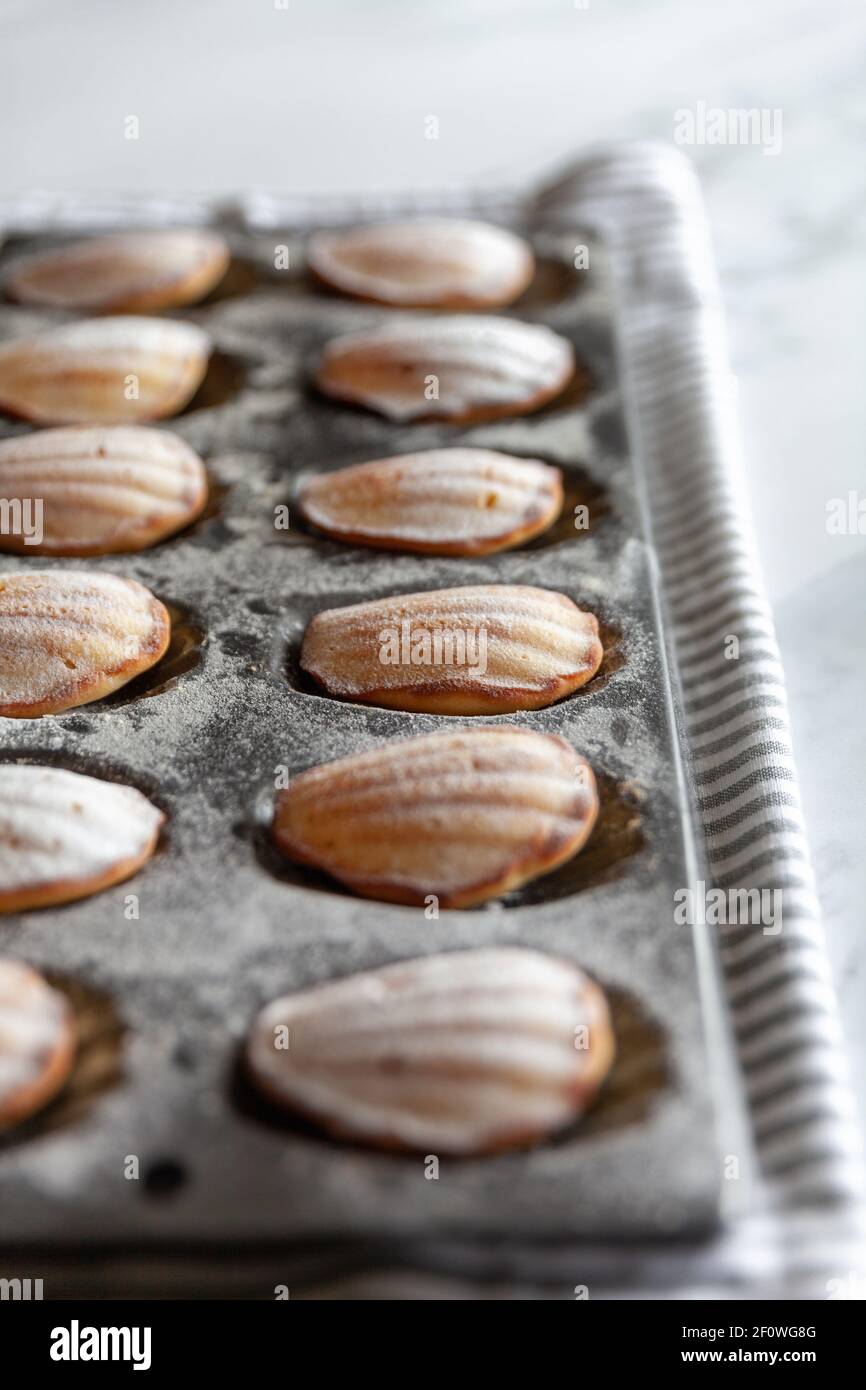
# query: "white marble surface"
316, 95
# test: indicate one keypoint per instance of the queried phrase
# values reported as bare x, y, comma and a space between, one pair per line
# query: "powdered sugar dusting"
461, 1053
107, 370
438, 499
61, 826
102, 488
449, 366
530, 637
158, 267
437, 261
68, 636
440, 814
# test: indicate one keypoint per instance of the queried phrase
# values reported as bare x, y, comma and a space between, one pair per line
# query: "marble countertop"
287, 95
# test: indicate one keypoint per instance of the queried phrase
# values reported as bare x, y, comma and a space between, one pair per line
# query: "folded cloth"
681, 398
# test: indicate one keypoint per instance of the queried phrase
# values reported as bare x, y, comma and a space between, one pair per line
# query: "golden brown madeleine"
437, 263
464, 815
64, 836
468, 1052
99, 489
440, 502
128, 272
461, 368
103, 371
483, 649
38, 1038
71, 636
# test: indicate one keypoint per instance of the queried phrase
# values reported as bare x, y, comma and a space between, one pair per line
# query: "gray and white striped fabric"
807, 1239
646, 202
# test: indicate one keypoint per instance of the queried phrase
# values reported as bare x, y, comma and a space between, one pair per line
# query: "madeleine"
464, 1053
436, 263
38, 1037
439, 502
68, 637
464, 815
110, 371
65, 836
128, 272
100, 490
461, 369
483, 649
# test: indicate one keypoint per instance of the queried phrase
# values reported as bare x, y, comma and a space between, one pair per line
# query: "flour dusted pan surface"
468, 1052
464, 815
71, 636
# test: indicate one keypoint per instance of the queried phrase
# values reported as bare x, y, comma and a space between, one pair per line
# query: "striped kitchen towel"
646, 201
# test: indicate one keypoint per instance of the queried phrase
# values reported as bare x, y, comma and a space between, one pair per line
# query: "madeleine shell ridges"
65, 836
461, 1053
104, 489
428, 263
455, 367
501, 648
125, 272
108, 371
438, 502
464, 815
38, 1038
68, 637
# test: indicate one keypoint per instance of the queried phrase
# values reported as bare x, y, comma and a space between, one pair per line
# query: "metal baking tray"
223, 924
